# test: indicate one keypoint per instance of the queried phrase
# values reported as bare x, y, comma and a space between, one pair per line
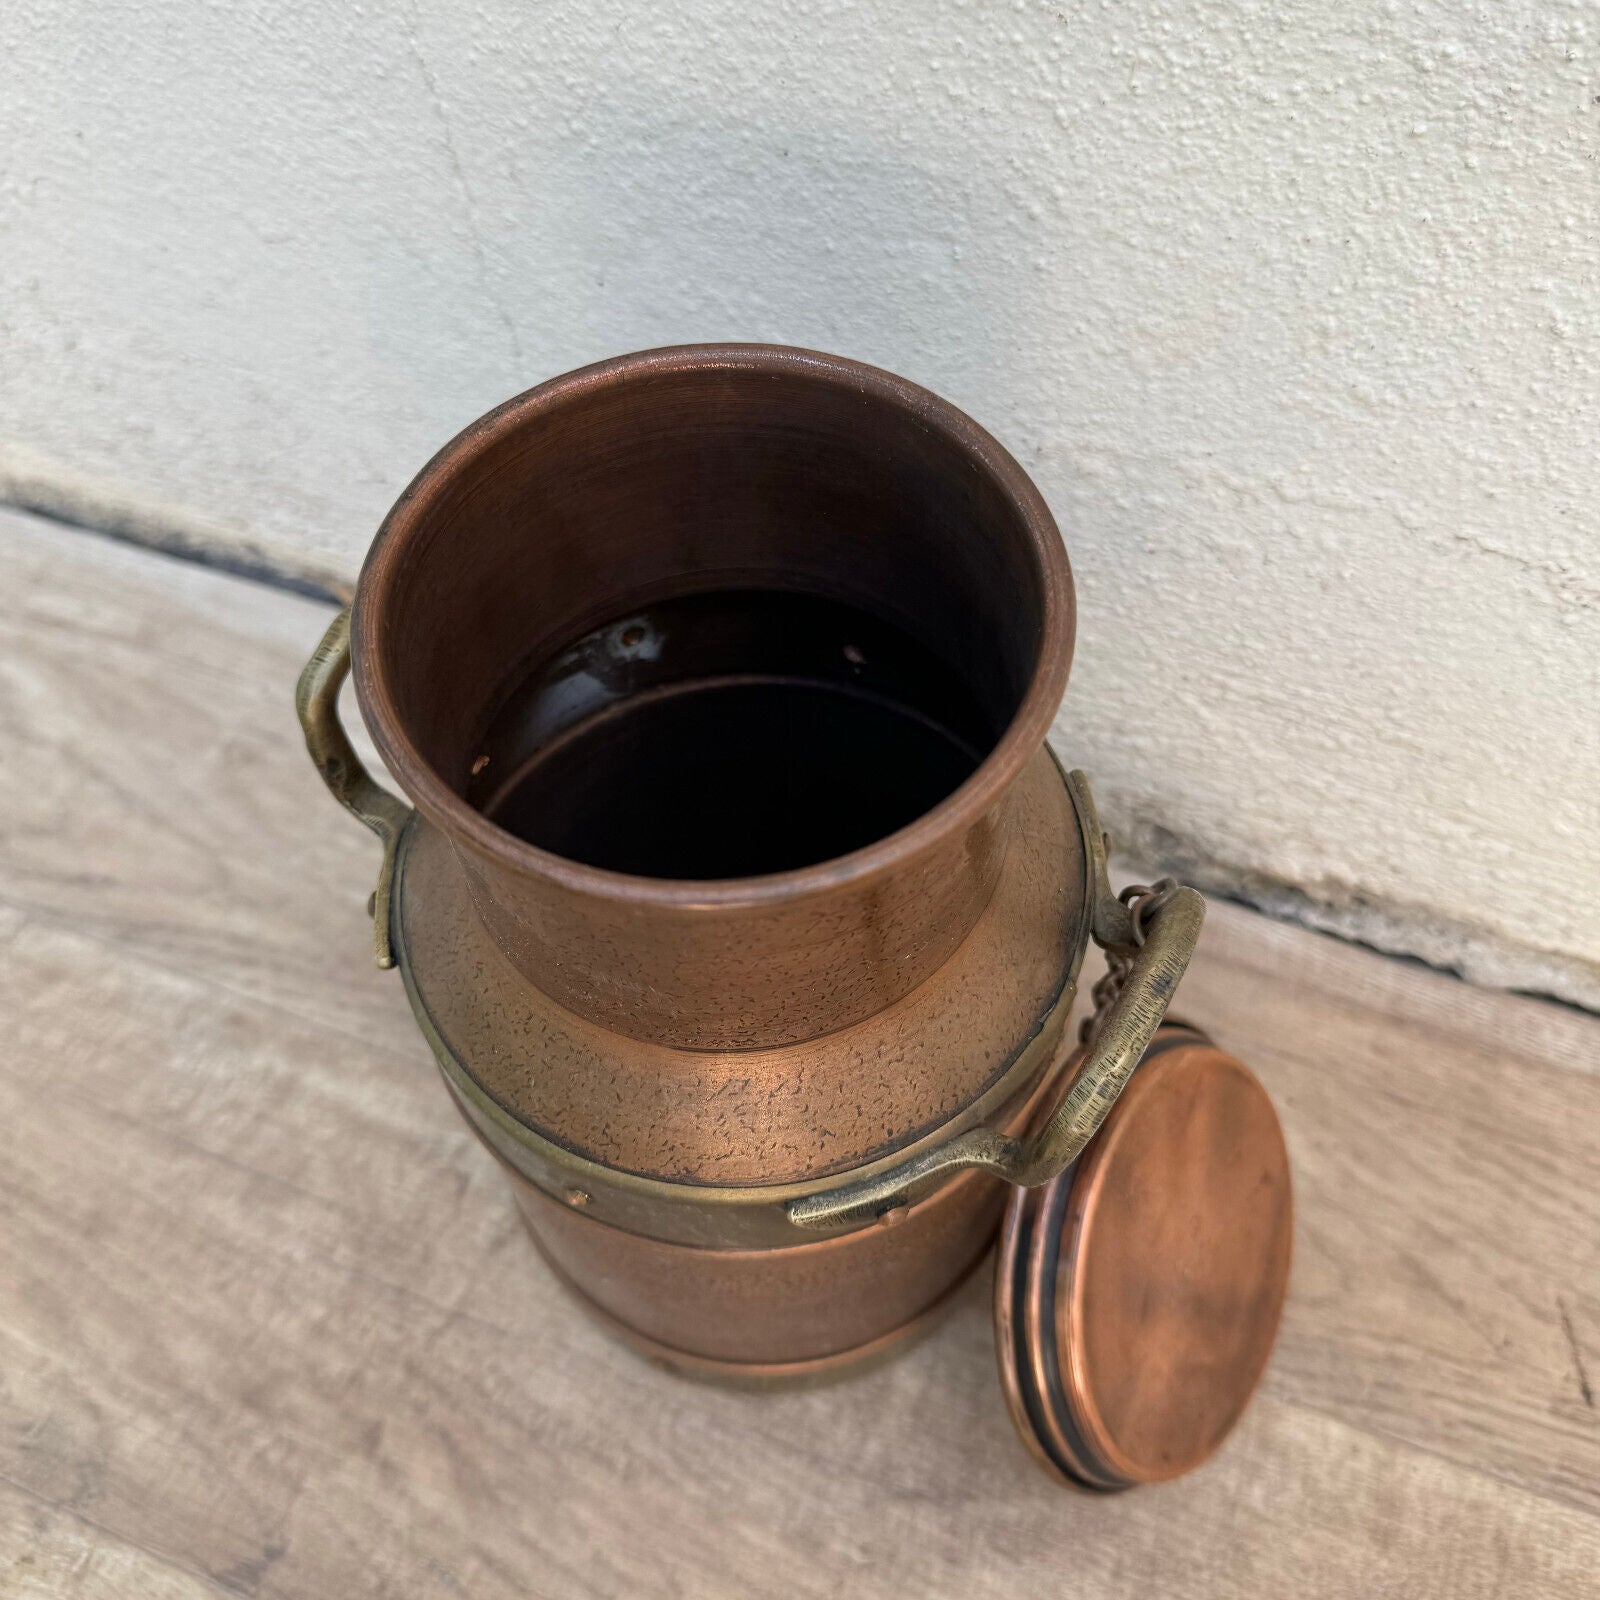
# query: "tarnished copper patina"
742, 903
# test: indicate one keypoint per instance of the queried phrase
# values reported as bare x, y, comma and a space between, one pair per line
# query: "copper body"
660, 1062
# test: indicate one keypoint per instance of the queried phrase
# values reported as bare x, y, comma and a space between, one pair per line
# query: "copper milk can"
742, 902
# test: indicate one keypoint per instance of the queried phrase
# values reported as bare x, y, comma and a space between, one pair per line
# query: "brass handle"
316, 700
1111, 1056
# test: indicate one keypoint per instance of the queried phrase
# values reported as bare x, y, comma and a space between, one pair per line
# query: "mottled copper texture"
654, 1179
770, 1116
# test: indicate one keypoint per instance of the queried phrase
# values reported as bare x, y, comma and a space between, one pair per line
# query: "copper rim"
1012, 1342
959, 811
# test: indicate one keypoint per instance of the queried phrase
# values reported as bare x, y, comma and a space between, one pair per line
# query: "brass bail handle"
316, 701
1150, 955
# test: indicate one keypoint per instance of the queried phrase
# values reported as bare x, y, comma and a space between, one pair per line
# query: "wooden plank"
50, 1552
156, 791
267, 1324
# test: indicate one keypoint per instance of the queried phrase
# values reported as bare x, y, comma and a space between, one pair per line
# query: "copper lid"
1137, 1295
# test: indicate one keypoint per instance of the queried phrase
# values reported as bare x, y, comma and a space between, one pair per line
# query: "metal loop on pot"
1144, 902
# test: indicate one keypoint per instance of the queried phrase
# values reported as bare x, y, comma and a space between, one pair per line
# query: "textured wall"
1293, 309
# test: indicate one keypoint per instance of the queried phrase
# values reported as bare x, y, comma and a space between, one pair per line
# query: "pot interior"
709, 621
726, 735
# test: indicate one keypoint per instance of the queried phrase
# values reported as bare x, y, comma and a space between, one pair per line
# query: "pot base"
789, 1312
763, 1374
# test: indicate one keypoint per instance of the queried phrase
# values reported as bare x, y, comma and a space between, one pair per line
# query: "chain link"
1143, 901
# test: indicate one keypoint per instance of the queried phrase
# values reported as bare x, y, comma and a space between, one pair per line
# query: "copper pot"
742, 902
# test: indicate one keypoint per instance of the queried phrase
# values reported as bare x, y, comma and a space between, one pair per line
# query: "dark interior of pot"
726, 734
711, 623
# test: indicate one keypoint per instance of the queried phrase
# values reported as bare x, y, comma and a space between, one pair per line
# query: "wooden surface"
268, 1325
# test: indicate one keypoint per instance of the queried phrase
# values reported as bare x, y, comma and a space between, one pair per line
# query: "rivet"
893, 1217
577, 1199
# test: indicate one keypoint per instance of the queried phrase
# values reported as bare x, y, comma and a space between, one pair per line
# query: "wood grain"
268, 1326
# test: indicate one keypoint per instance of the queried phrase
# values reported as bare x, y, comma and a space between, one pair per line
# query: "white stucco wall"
1292, 308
